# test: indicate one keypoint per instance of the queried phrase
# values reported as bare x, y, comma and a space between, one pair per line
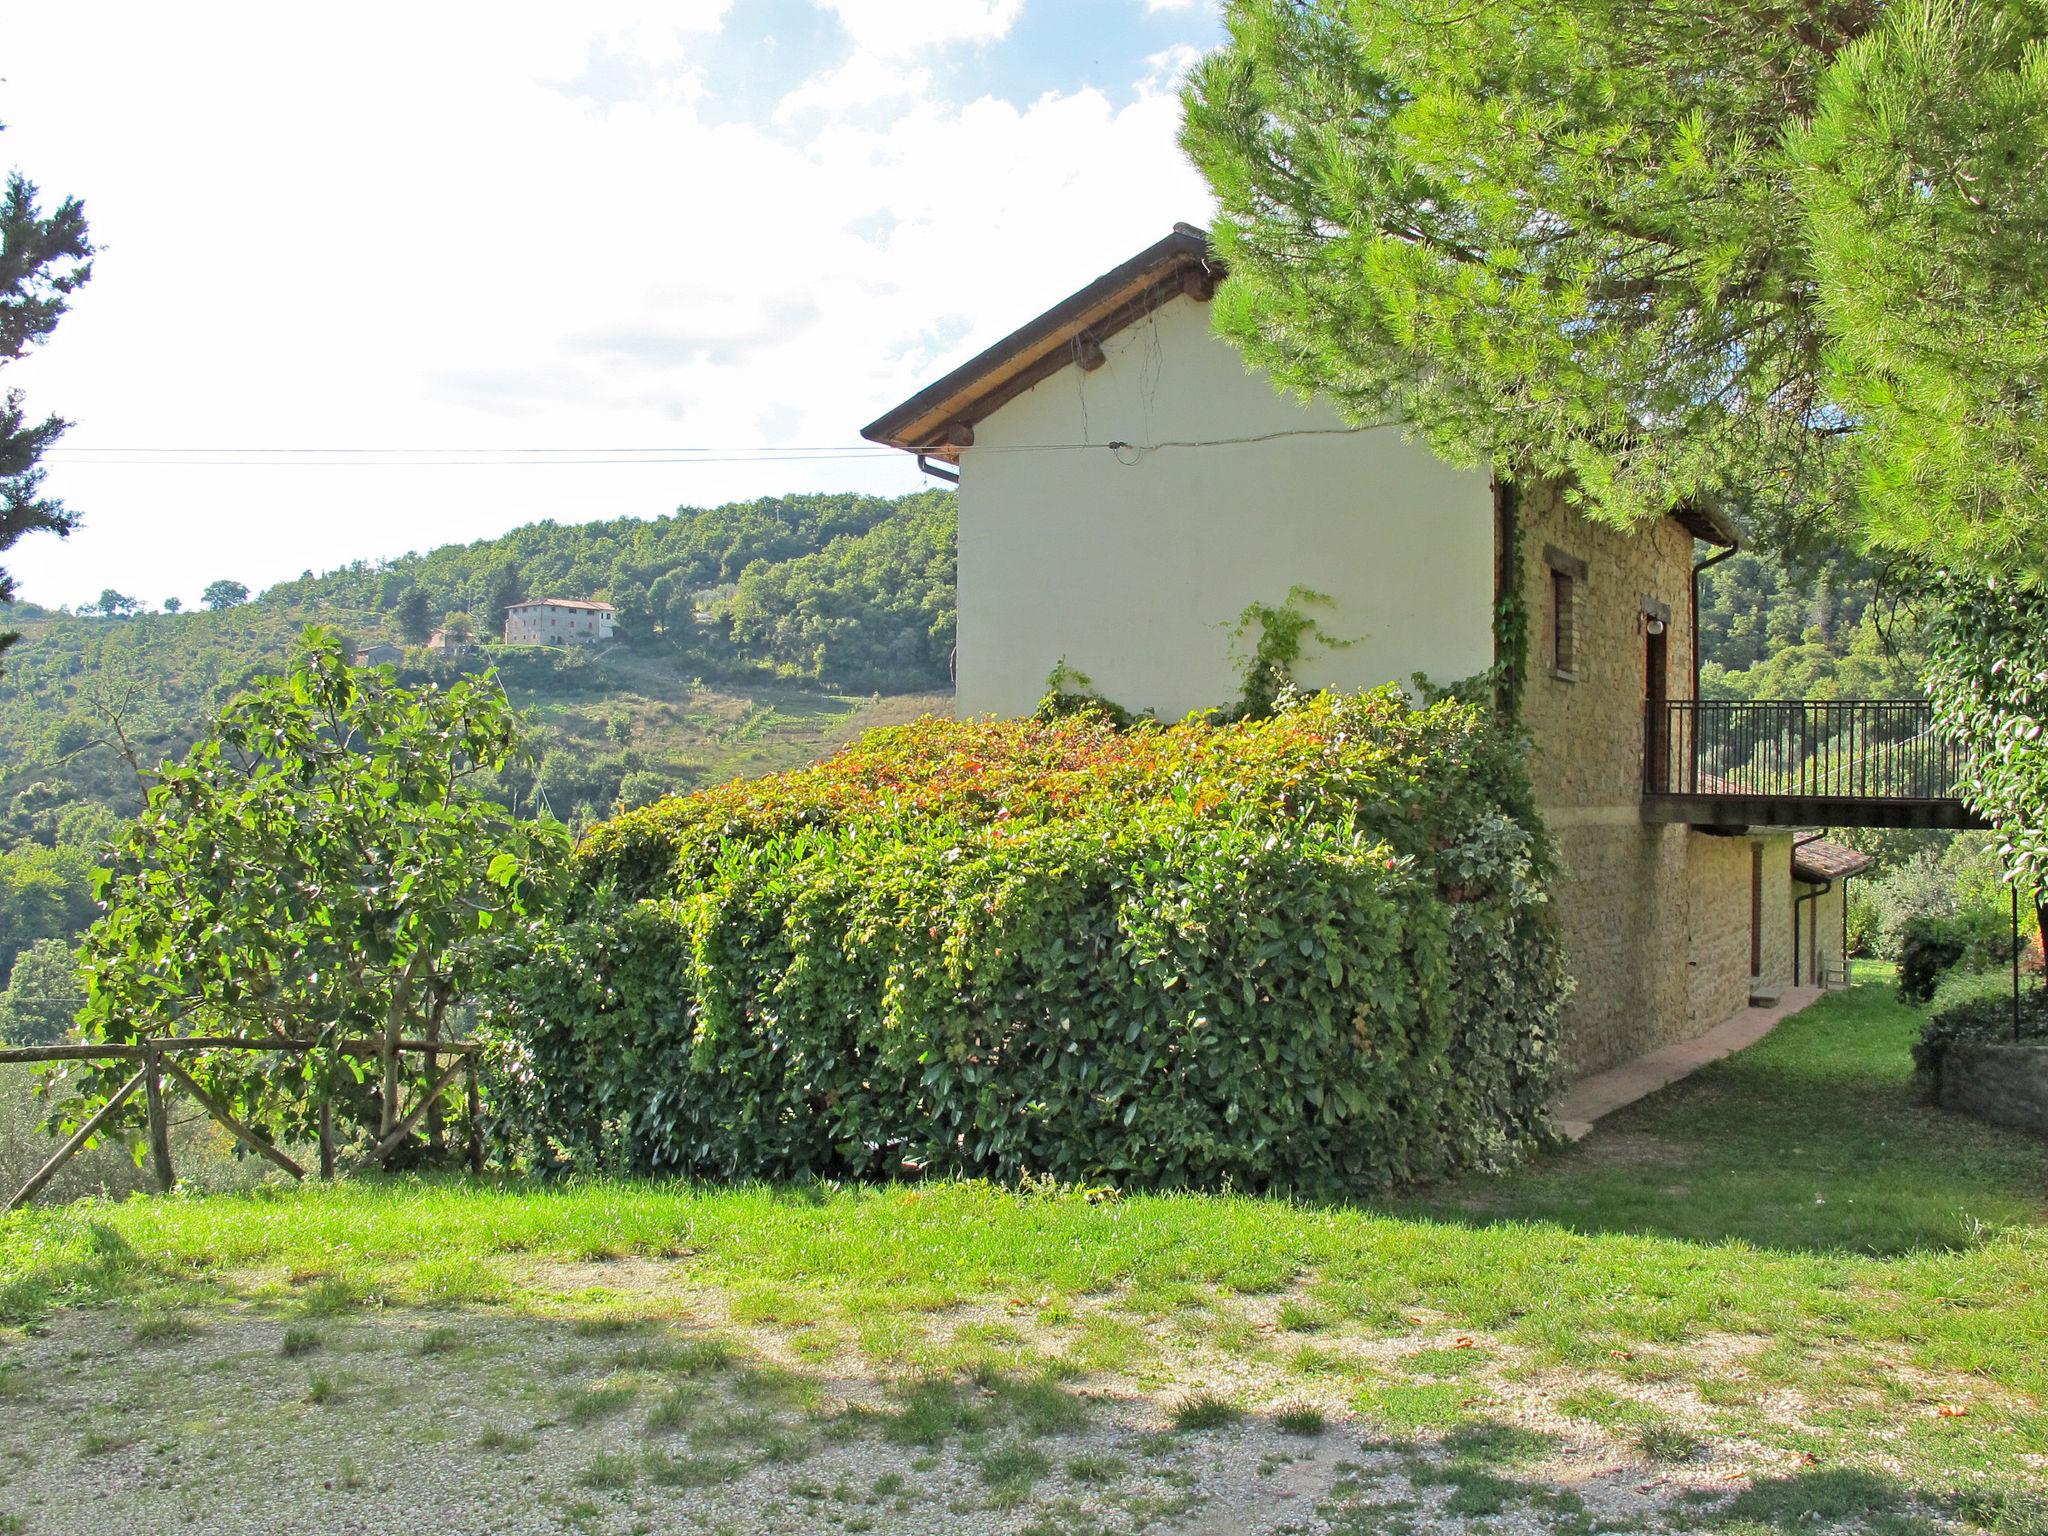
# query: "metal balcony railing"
1852, 750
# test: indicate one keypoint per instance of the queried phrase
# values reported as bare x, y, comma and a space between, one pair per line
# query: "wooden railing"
157, 1070
1838, 749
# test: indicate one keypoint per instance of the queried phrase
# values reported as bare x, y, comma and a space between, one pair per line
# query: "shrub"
1961, 984
1928, 946
1986, 1016
1962, 879
1308, 950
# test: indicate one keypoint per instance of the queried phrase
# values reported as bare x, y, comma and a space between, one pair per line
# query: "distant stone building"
382, 654
441, 643
557, 621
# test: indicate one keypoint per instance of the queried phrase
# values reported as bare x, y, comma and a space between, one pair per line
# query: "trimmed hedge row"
1311, 951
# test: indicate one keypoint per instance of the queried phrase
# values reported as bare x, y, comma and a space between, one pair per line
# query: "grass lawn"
1782, 1295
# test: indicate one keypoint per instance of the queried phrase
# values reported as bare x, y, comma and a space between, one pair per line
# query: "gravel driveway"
232, 1420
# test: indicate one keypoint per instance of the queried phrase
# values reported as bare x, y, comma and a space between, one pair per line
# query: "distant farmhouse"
1127, 488
382, 654
441, 643
557, 621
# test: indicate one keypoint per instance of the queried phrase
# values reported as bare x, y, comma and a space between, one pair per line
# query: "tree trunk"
394, 1031
437, 1129
159, 1122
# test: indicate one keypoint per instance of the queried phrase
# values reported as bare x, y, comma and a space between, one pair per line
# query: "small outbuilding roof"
561, 602
938, 421
1825, 860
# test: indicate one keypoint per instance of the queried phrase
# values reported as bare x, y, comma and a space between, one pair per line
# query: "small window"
1564, 637
1567, 581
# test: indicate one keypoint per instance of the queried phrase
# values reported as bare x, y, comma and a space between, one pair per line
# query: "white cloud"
863, 81
1166, 69
401, 231
900, 28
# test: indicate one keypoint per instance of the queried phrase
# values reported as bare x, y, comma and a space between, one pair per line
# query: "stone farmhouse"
558, 621
1127, 487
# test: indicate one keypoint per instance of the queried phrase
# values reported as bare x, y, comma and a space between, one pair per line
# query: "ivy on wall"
1280, 634
1510, 608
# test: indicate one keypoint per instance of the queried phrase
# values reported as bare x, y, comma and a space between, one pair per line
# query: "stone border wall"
2005, 1084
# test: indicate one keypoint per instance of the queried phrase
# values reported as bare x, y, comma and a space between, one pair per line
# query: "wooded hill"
753, 637
1823, 630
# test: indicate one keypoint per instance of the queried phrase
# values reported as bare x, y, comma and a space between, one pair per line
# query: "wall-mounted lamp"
1655, 626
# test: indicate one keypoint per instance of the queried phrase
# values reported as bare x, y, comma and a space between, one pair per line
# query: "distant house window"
1567, 582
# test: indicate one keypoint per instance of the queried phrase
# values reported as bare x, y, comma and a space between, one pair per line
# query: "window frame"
1567, 594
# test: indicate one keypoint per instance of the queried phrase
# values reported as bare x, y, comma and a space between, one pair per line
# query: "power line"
661, 448
481, 458
203, 460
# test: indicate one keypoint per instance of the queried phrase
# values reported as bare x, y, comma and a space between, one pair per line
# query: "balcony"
1789, 762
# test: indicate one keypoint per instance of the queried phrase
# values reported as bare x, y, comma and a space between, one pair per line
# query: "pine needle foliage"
44, 260
1770, 253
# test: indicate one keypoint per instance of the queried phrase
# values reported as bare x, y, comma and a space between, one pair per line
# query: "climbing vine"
1265, 672
1265, 668
1070, 694
1510, 612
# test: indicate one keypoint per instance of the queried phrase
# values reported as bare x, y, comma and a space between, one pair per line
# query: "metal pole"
327, 1129
2015, 961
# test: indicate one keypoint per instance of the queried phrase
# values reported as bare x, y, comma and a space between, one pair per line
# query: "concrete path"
1593, 1098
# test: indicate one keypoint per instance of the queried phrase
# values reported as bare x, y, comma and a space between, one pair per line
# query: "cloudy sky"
737, 226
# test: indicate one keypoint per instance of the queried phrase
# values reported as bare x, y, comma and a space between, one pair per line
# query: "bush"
1967, 985
1928, 946
1962, 878
1308, 951
1986, 1016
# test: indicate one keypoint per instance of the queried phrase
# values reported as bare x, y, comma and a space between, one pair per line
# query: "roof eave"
1708, 524
936, 419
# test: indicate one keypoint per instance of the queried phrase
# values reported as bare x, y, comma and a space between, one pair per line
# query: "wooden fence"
157, 1068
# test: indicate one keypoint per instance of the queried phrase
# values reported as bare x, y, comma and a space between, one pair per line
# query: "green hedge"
1312, 951
1983, 1011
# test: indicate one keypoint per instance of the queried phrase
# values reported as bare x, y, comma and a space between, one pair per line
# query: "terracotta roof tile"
1824, 860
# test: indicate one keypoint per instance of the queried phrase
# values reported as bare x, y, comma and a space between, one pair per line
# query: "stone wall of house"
1587, 719
1779, 888
1717, 927
1656, 919
1623, 902
1820, 927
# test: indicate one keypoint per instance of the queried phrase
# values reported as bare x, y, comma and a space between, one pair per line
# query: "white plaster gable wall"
1135, 573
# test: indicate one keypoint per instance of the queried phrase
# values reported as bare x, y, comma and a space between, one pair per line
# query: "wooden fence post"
242, 1133
327, 1129
159, 1122
476, 1120
437, 1129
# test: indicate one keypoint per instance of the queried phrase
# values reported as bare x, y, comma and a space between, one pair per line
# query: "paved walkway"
1593, 1098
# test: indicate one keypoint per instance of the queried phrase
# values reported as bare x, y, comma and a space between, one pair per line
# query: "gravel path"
246, 1420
